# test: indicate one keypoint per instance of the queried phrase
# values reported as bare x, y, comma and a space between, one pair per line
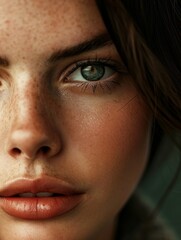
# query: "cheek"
109, 146
110, 141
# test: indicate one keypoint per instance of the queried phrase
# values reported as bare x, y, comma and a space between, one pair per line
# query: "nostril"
44, 150
15, 151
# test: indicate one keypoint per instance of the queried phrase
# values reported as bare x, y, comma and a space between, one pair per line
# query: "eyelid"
101, 86
115, 65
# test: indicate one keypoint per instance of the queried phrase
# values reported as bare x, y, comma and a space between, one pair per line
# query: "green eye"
93, 72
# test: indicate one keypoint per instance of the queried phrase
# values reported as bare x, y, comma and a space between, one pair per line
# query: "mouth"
41, 198
39, 194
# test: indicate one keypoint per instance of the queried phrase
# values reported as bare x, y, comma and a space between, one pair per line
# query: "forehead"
37, 23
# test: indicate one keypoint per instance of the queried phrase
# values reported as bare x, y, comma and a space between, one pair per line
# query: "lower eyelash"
106, 86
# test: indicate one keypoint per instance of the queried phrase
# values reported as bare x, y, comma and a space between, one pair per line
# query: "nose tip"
30, 145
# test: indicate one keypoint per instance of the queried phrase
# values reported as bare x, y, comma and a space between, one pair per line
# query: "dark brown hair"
147, 37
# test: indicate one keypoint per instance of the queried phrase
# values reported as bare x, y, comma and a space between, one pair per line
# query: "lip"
67, 198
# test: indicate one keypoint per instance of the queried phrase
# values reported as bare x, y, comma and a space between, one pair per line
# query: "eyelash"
103, 84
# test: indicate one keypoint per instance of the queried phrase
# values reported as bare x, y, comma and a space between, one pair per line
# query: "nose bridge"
30, 110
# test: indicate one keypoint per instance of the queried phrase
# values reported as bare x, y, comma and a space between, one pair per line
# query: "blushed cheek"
108, 138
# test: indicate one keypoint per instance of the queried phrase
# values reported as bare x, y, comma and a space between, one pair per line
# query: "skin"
97, 141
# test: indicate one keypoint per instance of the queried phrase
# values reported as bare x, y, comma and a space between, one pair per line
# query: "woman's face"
72, 123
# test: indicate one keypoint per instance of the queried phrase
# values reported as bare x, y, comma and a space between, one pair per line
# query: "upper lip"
43, 184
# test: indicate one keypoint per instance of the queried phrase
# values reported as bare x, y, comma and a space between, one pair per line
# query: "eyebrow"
86, 46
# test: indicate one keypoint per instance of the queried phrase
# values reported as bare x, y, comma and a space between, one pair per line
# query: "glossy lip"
36, 208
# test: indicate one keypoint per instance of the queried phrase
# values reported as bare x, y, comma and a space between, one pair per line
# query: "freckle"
35, 38
7, 21
7, 34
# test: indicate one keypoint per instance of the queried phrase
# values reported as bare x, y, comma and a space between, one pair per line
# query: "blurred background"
157, 179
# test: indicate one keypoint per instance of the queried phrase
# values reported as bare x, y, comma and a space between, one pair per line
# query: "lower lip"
37, 208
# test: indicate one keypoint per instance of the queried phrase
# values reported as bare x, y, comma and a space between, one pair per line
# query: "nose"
32, 143
32, 131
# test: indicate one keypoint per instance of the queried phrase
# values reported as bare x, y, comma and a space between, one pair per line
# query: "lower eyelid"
95, 87
100, 87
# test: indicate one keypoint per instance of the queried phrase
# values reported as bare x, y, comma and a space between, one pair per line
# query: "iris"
93, 72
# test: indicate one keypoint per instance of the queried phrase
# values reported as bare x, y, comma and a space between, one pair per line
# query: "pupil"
93, 72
